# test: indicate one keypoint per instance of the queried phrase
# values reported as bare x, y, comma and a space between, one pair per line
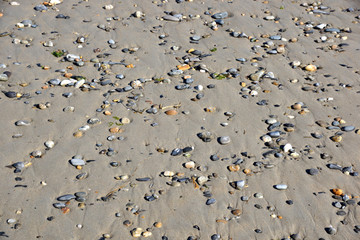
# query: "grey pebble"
220, 15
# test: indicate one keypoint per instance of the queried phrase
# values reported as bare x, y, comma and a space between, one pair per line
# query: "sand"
28, 196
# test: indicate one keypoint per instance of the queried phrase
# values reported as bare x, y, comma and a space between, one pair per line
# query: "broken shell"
234, 168
190, 164
171, 112
236, 212
125, 120
337, 191
49, 144
336, 138
202, 179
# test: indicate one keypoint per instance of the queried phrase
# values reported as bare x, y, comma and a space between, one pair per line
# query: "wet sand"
125, 177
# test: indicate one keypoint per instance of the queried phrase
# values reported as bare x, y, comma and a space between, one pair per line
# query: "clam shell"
281, 186
311, 68
49, 144
171, 112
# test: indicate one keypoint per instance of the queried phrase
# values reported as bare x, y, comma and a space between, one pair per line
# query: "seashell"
93, 121
337, 191
202, 179
158, 225
79, 83
67, 82
206, 136
81, 176
84, 128
171, 18
348, 128
125, 120
59, 205
11, 94
114, 129
234, 168
336, 138
183, 67
146, 234
176, 152
168, 173
19, 165
311, 68
66, 197
331, 230
224, 140
189, 164
136, 232
238, 184
281, 186
287, 147
274, 134
171, 112
78, 134
36, 154
210, 201
296, 106
266, 138
22, 123
135, 84
236, 212
246, 171
77, 162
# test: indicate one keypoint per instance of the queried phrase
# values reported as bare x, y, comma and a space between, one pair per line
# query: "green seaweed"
213, 49
58, 53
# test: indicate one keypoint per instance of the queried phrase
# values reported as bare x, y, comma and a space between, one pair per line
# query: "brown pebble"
114, 129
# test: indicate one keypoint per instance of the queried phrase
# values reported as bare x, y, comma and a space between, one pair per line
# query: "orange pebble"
107, 113
45, 87
130, 66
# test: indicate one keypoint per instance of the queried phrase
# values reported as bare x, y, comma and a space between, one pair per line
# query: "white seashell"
287, 147
80, 83
84, 128
108, 7
281, 186
36, 153
49, 144
199, 87
202, 179
67, 82
169, 173
266, 138
135, 84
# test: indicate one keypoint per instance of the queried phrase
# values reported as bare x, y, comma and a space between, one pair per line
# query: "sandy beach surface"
178, 119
